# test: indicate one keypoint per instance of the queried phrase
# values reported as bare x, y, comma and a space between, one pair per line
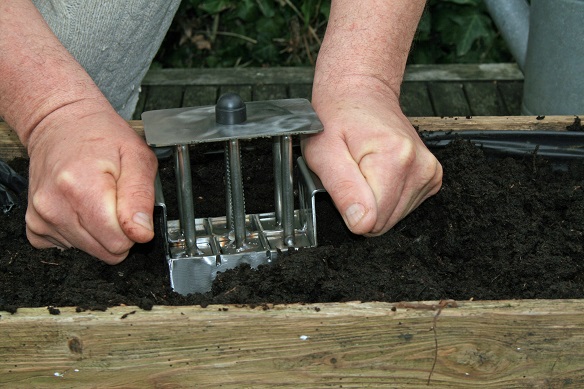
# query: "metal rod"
237, 199
277, 157
177, 174
287, 191
185, 198
228, 195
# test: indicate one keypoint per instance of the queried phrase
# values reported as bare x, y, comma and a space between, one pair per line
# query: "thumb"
135, 196
344, 181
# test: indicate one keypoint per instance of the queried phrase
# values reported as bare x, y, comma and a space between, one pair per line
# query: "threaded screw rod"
228, 195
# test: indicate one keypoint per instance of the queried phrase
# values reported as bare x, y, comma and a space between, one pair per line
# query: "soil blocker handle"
551, 144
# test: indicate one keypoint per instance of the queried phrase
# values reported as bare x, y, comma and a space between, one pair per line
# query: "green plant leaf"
215, 6
247, 10
266, 8
472, 27
325, 9
424, 27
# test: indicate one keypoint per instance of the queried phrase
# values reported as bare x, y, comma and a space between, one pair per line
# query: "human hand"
369, 157
91, 183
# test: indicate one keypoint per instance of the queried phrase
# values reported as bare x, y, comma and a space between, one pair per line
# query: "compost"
500, 228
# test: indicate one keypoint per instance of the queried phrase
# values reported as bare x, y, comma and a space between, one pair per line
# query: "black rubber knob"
230, 109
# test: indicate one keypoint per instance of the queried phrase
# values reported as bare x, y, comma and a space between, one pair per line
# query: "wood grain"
493, 344
304, 75
493, 123
10, 146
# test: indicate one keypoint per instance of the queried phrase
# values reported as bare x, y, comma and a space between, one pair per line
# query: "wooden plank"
448, 99
269, 92
304, 75
463, 72
500, 344
229, 76
512, 93
484, 99
300, 91
163, 97
453, 123
244, 91
270, 83
415, 99
196, 96
493, 123
10, 146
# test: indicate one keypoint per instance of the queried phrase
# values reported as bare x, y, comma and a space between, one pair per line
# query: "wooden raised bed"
527, 343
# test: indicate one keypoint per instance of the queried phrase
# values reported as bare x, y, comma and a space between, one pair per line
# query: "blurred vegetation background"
259, 33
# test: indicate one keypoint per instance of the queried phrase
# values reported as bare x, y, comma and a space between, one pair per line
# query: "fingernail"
354, 214
144, 220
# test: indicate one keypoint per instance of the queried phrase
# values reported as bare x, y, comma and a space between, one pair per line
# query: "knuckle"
119, 247
142, 153
341, 188
44, 207
405, 153
115, 258
401, 154
142, 191
431, 170
431, 175
137, 193
437, 180
36, 240
65, 181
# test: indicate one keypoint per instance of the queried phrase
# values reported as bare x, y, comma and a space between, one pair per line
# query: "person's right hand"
369, 157
91, 183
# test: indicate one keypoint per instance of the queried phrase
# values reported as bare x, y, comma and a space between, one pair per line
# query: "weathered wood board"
493, 344
427, 90
10, 146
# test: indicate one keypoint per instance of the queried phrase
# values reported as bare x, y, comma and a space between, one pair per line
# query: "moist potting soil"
500, 228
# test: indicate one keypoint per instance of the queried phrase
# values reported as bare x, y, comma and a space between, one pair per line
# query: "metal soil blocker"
197, 248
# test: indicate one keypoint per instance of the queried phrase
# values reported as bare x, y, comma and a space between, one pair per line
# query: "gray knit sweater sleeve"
114, 40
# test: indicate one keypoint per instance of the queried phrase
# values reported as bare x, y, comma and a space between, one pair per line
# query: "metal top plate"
181, 126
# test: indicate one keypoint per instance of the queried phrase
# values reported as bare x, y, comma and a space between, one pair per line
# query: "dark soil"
500, 228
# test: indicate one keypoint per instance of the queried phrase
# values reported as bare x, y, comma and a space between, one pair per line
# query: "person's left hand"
369, 157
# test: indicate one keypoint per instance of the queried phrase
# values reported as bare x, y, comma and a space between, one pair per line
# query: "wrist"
61, 117
34, 114
39, 77
331, 91
368, 41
